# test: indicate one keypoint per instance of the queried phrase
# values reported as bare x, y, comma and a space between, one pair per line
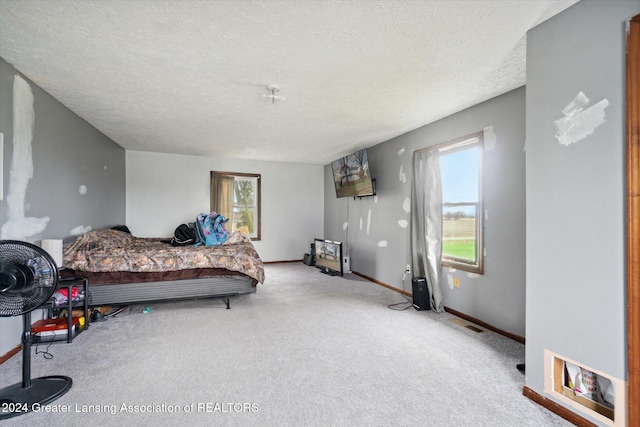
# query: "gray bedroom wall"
67, 152
575, 193
379, 239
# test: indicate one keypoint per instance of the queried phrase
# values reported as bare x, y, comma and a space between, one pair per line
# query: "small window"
237, 197
462, 212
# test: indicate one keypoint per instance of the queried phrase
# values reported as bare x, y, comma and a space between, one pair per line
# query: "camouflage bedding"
113, 250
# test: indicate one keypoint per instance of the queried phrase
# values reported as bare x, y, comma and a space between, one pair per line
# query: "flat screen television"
328, 256
352, 175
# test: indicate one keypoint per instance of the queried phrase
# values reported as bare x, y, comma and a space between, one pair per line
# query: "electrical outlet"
408, 270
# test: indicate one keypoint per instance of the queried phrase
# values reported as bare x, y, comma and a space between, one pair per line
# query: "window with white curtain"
462, 211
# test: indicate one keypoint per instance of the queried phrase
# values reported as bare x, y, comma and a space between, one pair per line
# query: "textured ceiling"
188, 77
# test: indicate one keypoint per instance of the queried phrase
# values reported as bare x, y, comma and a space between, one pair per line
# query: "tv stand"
329, 272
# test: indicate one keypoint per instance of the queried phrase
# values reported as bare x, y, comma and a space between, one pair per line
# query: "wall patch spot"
82, 190
345, 225
489, 138
406, 205
368, 221
403, 223
402, 176
578, 122
81, 229
18, 226
383, 243
401, 152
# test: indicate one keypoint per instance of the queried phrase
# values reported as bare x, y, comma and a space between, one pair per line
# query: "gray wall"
291, 212
498, 296
67, 152
575, 194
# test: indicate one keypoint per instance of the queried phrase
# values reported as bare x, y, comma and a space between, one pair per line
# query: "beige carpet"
307, 349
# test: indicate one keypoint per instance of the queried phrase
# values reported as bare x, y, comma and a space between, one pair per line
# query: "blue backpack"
210, 229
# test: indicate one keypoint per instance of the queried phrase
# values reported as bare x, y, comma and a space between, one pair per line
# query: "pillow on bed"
237, 237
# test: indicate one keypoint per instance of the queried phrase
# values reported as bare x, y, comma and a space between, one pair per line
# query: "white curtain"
426, 222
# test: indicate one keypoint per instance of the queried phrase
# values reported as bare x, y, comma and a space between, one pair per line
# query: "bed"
123, 269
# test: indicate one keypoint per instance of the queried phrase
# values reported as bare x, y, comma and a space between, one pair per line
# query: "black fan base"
42, 391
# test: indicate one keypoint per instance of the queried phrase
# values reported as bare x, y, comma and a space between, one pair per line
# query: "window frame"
258, 202
450, 147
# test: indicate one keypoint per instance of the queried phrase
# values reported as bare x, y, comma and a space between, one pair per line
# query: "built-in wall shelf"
585, 397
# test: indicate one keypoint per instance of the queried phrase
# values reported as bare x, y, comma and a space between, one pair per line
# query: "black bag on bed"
184, 235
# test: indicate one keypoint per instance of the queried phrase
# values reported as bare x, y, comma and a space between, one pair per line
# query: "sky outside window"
459, 172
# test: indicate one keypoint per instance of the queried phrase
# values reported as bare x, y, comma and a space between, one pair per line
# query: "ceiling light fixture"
272, 93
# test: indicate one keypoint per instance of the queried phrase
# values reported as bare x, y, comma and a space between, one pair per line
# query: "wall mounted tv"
328, 256
352, 175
